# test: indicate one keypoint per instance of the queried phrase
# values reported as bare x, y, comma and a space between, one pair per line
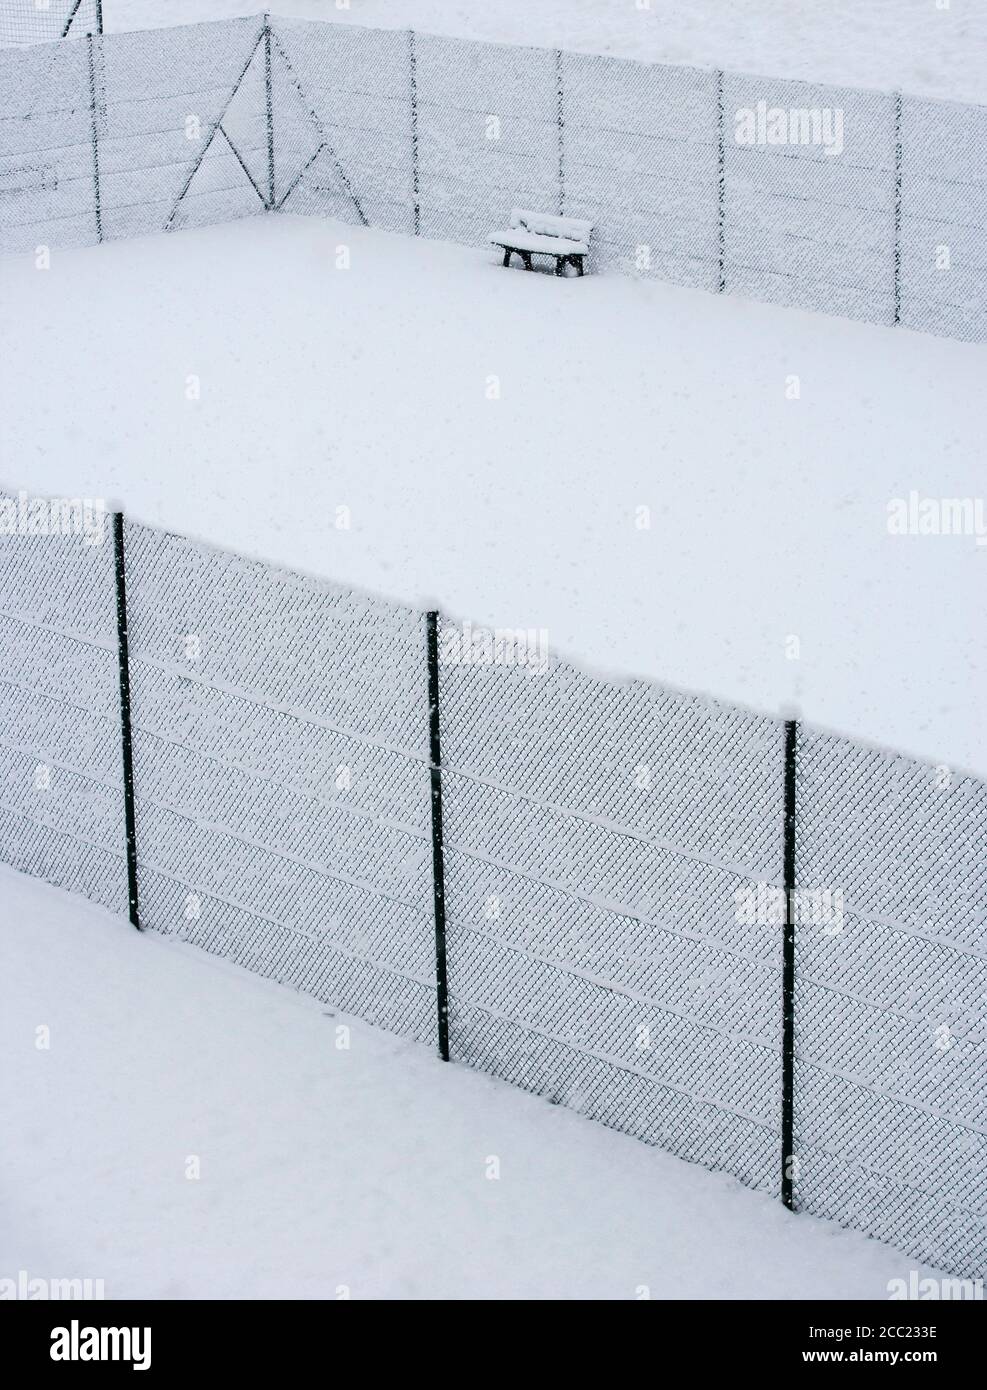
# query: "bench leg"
526, 257
507, 256
578, 263
560, 264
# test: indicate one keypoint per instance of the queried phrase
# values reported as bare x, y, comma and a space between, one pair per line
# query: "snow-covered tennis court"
372, 1171
228, 383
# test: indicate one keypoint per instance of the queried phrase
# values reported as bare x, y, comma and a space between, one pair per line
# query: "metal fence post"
438, 864
897, 207
99, 17
126, 736
721, 186
788, 972
415, 178
269, 103
93, 112
560, 120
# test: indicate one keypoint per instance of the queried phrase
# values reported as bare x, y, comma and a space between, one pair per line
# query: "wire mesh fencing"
812, 224
279, 772
61, 804
890, 1093
869, 204
596, 836
24, 22
584, 887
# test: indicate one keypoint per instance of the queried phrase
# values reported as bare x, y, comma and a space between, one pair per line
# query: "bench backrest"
547, 224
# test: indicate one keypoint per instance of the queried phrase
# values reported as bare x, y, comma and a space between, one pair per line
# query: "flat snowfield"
181, 1129
930, 47
494, 436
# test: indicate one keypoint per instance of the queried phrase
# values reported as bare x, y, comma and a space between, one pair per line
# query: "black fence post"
94, 112
269, 102
126, 736
897, 207
438, 863
415, 177
99, 17
788, 973
560, 120
721, 186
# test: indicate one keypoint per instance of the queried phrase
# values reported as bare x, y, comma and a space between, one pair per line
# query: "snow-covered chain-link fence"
44, 21
868, 204
615, 858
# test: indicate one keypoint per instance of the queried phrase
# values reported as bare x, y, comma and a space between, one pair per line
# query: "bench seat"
532, 241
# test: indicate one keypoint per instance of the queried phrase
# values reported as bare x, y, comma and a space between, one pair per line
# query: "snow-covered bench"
542, 233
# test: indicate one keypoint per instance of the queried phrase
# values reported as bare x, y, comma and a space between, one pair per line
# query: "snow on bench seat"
542, 233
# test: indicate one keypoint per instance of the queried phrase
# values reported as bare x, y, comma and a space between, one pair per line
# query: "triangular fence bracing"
882, 218
612, 930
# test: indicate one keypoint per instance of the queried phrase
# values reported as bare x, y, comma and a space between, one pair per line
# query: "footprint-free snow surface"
179, 1128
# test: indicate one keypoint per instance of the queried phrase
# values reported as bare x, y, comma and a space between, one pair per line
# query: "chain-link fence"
890, 1084
869, 204
24, 22
280, 770
586, 885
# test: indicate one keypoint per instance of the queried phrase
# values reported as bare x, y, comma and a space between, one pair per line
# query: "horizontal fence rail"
868, 204
751, 943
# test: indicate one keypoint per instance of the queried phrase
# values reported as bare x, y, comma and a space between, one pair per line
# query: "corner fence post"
126, 736
721, 187
788, 973
438, 864
93, 114
560, 119
269, 103
415, 176
897, 207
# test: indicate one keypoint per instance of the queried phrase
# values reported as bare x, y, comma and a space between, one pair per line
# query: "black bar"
99, 17
95, 139
415, 178
255, 1335
721, 182
788, 973
438, 866
560, 117
130, 819
897, 207
269, 99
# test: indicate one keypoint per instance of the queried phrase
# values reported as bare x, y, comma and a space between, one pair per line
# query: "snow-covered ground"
369, 388
930, 47
324, 1168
